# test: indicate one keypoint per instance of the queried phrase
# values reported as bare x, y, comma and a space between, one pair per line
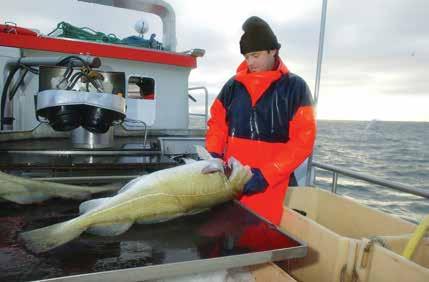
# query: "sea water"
394, 151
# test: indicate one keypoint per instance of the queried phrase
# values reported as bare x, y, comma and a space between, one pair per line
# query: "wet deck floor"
225, 230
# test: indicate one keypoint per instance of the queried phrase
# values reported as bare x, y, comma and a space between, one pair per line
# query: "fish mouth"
227, 169
231, 166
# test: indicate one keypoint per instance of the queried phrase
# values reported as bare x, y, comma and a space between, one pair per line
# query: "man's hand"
256, 184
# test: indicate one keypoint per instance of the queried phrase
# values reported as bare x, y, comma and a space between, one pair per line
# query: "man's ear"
273, 52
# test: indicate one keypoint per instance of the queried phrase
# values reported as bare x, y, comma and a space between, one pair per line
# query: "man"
263, 117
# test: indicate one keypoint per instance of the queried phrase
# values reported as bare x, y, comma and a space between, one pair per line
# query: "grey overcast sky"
376, 51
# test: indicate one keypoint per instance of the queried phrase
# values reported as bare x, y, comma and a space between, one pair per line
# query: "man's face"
260, 60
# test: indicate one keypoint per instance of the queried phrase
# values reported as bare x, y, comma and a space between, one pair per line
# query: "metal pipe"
371, 179
129, 127
92, 61
127, 152
206, 102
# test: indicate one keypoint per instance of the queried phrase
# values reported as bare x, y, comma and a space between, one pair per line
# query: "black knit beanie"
257, 36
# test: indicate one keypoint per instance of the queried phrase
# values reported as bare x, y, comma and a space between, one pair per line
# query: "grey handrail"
371, 179
206, 103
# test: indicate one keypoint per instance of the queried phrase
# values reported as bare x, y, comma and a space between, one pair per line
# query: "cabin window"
141, 88
141, 100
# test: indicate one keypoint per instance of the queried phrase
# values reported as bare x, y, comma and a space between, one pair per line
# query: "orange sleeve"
217, 132
302, 133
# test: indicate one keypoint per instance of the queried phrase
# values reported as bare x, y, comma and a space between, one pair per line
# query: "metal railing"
206, 103
336, 171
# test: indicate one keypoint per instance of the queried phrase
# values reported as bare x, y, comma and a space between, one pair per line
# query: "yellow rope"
416, 238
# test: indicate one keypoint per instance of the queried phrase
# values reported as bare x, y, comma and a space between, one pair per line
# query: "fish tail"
47, 238
12, 185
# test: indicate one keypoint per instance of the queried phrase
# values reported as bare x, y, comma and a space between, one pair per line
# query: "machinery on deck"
114, 110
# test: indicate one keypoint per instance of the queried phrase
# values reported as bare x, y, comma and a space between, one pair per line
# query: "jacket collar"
278, 66
256, 83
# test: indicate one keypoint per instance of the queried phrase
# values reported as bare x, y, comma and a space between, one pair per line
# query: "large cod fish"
156, 197
26, 191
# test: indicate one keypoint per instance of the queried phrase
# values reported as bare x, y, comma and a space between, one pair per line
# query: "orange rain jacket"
265, 120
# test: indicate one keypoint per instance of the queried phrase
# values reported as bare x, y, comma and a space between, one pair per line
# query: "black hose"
30, 69
4, 93
68, 71
94, 84
74, 80
17, 84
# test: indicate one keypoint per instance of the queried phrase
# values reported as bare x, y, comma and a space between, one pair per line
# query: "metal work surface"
223, 237
58, 153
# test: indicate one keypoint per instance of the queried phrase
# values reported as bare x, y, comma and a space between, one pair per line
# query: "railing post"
309, 169
334, 182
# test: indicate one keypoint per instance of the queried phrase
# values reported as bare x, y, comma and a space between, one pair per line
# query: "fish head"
240, 174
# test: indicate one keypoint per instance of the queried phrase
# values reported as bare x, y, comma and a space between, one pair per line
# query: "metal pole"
318, 72
320, 52
334, 182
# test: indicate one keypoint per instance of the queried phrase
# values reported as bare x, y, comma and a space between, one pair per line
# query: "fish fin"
203, 153
130, 184
167, 218
91, 204
47, 238
197, 211
159, 219
113, 229
26, 198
